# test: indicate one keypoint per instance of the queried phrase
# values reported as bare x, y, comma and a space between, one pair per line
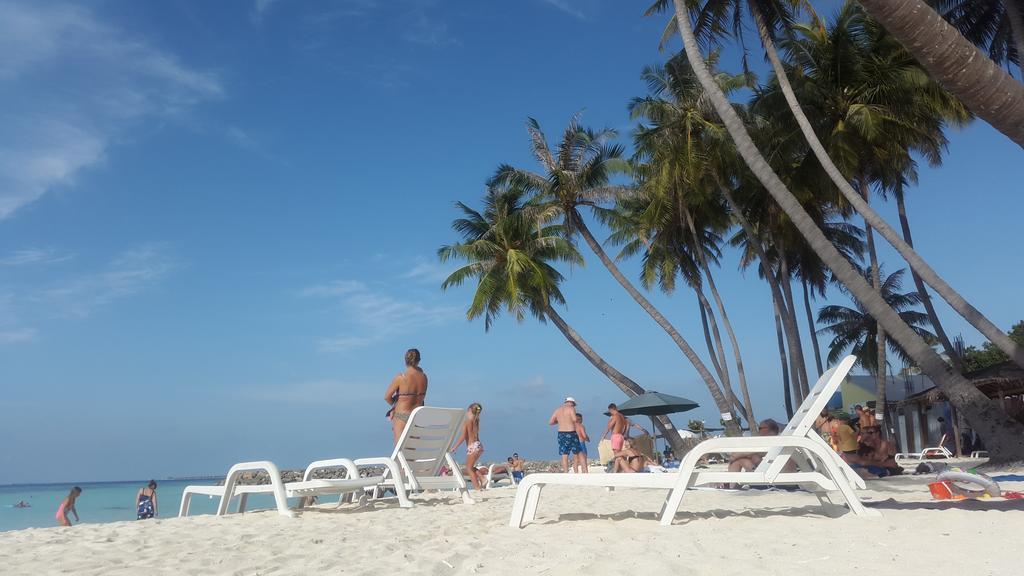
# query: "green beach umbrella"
656, 404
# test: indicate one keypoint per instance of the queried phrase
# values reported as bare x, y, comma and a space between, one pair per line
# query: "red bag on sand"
1013, 495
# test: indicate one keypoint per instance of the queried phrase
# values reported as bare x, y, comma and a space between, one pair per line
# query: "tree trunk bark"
621, 381
773, 285
914, 260
1003, 435
876, 280
926, 299
798, 393
796, 344
1013, 14
715, 346
733, 342
954, 62
811, 328
731, 428
782, 360
707, 334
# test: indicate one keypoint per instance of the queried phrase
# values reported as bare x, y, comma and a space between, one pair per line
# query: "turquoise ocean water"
101, 502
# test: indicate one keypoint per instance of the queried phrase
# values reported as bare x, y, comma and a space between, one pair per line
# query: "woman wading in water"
407, 391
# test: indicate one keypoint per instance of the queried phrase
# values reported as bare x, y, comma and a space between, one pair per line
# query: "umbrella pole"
654, 435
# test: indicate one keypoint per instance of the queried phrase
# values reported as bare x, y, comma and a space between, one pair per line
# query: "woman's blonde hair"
412, 357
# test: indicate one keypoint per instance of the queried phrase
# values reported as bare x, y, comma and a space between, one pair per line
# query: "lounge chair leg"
186, 499
532, 502
243, 500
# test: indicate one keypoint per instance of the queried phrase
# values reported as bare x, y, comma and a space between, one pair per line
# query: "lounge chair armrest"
391, 465
347, 463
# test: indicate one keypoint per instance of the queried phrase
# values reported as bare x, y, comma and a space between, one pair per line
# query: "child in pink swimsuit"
68, 504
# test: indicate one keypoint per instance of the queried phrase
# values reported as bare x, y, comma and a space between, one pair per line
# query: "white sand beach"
587, 531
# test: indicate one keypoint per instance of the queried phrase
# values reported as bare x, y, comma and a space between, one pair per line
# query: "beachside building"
914, 406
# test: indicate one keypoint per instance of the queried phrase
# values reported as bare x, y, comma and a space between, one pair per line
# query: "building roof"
998, 381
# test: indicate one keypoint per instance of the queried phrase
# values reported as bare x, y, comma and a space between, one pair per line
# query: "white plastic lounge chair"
282, 491
423, 449
798, 441
493, 477
935, 453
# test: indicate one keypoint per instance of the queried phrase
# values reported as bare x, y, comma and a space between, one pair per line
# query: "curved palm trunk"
800, 367
811, 328
624, 383
748, 407
1003, 435
955, 63
717, 356
782, 360
914, 260
876, 280
721, 402
1017, 27
789, 326
926, 299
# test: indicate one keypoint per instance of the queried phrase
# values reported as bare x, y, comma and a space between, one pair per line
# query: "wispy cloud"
428, 272
129, 273
73, 84
373, 316
428, 31
34, 256
567, 7
17, 336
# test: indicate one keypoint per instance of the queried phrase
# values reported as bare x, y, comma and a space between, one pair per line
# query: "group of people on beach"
145, 504
573, 438
860, 443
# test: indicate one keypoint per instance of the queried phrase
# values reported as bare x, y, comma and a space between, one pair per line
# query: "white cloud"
129, 273
34, 256
567, 7
374, 316
72, 85
17, 336
428, 272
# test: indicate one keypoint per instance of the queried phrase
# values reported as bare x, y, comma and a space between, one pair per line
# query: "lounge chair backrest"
427, 437
803, 419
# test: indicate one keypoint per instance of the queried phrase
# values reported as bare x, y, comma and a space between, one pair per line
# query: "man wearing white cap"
568, 441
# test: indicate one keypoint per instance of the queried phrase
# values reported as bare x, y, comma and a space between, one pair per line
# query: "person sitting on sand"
145, 501
68, 505
842, 437
517, 468
876, 457
474, 448
630, 460
568, 441
580, 464
406, 392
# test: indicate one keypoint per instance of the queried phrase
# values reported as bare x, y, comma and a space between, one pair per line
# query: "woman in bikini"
474, 448
407, 391
68, 505
145, 501
629, 459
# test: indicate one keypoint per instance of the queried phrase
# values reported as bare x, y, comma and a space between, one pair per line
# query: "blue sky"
219, 221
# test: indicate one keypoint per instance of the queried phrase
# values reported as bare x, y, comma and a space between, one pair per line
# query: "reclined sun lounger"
423, 450
821, 470
308, 487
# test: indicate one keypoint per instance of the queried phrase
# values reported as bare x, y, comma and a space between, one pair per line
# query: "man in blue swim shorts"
568, 441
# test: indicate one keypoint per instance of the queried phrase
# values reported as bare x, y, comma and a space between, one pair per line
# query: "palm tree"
994, 26
855, 330
1004, 436
711, 18
679, 213
955, 63
873, 103
510, 255
577, 175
